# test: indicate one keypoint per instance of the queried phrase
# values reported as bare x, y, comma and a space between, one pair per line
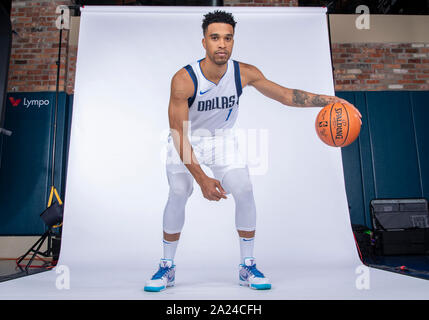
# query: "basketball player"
204, 98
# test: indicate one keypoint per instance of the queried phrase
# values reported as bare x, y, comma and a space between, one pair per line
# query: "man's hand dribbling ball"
338, 124
212, 189
352, 106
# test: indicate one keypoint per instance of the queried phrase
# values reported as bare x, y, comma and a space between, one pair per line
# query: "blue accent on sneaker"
250, 276
264, 286
154, 289
160, 273
244, 277
252, 269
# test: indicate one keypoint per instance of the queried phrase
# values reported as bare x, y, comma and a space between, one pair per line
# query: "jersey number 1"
228, 114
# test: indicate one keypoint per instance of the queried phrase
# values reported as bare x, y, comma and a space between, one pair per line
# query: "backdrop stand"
36, 249
55, 210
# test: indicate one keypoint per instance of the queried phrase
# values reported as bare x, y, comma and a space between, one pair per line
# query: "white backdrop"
117, 186
116, 181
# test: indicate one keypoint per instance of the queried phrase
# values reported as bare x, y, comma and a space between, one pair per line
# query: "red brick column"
35, 45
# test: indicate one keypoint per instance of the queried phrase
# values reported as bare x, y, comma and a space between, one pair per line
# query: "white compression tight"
181, 187
236, 181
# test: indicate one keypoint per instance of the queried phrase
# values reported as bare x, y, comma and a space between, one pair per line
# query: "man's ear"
204, 43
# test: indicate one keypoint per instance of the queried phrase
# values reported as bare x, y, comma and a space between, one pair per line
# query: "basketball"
338, 125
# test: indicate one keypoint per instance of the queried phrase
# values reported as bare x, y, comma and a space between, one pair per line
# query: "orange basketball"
338, 125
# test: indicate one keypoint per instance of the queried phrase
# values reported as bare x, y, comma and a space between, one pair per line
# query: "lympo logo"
38, 103
29, 103
14, 102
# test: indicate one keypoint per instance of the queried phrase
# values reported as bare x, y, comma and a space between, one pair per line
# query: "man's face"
218, 42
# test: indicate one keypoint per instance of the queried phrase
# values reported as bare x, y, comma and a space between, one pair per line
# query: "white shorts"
219, 153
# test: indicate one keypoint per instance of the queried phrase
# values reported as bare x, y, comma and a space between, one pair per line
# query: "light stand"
53, 214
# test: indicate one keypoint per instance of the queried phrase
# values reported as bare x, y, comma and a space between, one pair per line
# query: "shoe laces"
252, 269
160, 273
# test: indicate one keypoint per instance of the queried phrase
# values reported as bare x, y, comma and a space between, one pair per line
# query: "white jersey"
214, 106
213, 110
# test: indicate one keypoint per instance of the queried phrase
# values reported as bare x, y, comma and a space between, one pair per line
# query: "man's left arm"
290, 97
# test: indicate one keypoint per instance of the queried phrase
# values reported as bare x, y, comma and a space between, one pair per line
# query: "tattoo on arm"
306, 99
321, 101
300, 98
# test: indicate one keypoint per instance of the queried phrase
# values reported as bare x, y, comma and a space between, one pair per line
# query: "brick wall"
35, 48
400, 66
381, 66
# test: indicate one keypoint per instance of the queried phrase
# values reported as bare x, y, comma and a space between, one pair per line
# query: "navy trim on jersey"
194, 79
199, 64
237, 78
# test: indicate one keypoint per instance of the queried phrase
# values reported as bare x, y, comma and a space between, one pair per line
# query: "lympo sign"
26, 103
30, 116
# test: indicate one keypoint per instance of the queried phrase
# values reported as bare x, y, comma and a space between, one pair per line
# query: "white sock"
246, 248
169, 249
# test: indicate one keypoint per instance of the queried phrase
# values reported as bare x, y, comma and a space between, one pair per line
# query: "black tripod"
36, 248
52, 216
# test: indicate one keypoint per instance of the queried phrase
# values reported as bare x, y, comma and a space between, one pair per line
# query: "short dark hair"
218, 16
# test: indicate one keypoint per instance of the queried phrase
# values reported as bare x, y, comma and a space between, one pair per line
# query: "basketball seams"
331, 130
330, 124
348, 123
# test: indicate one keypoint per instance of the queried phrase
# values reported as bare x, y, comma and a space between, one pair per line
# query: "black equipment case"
401, 226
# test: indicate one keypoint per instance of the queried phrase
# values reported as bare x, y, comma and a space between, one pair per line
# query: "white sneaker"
163, 278
252, 277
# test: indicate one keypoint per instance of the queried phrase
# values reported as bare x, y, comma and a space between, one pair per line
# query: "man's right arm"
182, 87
